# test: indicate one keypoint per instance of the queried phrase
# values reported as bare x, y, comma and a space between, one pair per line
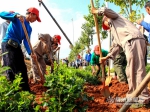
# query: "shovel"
41, 2
58, 59
38, 67
105, 90
108, 78
136, 93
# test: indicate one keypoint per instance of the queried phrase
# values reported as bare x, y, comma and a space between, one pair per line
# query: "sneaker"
136, 105
115, 77
139, 105
147, 105
123, 82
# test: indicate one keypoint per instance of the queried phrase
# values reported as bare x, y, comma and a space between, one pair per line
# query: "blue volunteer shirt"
147, 28
88, 57
15, 30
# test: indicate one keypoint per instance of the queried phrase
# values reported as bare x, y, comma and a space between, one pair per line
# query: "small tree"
129, 8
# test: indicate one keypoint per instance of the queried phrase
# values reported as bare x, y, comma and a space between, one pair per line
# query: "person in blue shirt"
3, 29
88, 57
11, 43
141, 21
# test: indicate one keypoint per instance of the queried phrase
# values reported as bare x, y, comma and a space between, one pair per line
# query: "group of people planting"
126, 38
13, 35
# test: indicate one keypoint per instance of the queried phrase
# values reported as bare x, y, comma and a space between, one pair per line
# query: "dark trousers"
99, 71
15, 60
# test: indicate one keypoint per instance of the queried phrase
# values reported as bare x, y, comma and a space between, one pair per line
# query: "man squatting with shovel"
11, 44
42, 47
126, 35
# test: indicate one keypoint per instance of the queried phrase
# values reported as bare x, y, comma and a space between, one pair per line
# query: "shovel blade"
108, 80
105, 92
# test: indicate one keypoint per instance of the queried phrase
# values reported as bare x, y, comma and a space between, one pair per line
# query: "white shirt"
146, 19
3, 29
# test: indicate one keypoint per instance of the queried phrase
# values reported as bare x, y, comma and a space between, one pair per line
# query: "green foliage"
111, 70
147, 68
66, 90
87, 33
75, 51
129, 8
148, 51
11, 100
90, 20
3, 69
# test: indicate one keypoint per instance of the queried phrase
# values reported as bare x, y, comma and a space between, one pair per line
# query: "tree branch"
126, 7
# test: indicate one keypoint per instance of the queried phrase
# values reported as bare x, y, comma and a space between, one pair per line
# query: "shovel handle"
27, 38
108, 67
136, 93
41, 2
99, 43
142, 29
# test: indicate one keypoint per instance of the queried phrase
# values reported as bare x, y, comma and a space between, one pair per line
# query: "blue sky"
63, 11
80, 6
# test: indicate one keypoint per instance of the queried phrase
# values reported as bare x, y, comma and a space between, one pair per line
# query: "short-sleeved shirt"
95, 58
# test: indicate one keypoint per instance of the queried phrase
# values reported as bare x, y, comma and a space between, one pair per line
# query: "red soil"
99, 104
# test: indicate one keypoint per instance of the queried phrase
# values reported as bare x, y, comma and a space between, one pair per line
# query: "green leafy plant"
11, 100
147, 68
66, 91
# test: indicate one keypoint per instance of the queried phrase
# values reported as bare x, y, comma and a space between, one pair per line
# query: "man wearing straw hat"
11, 43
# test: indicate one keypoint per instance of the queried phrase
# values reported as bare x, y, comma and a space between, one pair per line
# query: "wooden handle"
36, 62
142, 29
108, 67
136, 93
50, 59
99, 43
58, 55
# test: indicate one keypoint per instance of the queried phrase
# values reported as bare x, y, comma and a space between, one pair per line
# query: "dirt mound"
38, 88
101, 104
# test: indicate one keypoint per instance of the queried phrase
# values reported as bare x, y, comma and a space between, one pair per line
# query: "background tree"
148, 51
88, 30
129, 8
90, 20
